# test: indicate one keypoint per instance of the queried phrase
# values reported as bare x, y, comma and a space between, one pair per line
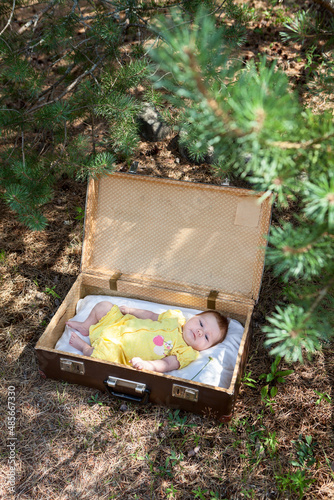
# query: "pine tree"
259, 130
61, 68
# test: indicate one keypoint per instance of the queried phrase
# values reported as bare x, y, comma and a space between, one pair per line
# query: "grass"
73, 442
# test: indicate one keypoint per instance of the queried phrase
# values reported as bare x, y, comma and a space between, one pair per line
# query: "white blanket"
214, 366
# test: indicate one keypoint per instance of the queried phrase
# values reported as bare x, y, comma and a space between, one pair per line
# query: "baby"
164, 341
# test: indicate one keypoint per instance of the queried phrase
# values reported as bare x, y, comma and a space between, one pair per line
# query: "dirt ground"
72, 442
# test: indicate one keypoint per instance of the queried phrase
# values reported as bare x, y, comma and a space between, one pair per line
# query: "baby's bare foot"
78, 325
80, 344
77, 342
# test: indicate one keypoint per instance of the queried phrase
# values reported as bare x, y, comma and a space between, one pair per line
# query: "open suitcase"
179, 243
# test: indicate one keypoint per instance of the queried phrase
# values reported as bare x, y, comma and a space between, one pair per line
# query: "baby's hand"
139, 364
124, 310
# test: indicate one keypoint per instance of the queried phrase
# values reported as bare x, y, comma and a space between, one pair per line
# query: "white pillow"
217, 371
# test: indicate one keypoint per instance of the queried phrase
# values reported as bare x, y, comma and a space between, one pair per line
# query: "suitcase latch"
180, 391
72, 366
129, 384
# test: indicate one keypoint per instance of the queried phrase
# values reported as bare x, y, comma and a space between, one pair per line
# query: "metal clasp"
72, 366
123, 383
180, 391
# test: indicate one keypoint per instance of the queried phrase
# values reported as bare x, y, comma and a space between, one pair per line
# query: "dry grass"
74, 442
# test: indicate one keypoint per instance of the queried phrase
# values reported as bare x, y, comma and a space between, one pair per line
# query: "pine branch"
213, 103
58, 82
301, 145
10, 18
69, 87
321, 295
36, 18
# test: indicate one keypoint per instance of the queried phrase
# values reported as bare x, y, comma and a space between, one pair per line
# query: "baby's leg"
80, 344
98, 311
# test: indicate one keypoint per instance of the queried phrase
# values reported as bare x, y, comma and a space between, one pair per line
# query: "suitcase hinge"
113, 281
180, 391
72, 366
211, 300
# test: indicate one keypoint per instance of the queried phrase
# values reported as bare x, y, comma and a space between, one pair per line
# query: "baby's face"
201, 332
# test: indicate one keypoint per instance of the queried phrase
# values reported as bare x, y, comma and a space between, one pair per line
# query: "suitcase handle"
144, 393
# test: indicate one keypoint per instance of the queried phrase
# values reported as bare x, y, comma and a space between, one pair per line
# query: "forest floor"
73, 442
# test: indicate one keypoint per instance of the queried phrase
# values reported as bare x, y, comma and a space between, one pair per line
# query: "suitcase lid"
202, 235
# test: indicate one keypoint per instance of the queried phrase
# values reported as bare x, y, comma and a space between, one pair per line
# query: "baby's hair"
221, 320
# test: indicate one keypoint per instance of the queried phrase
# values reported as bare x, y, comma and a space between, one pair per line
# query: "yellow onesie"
119, 338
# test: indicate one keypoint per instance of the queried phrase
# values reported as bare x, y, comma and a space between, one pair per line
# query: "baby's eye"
201, 324
206, 338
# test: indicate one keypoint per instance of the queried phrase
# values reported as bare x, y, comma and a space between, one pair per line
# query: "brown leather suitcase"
171, 242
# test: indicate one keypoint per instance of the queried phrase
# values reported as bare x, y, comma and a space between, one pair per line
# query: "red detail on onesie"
158, 340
